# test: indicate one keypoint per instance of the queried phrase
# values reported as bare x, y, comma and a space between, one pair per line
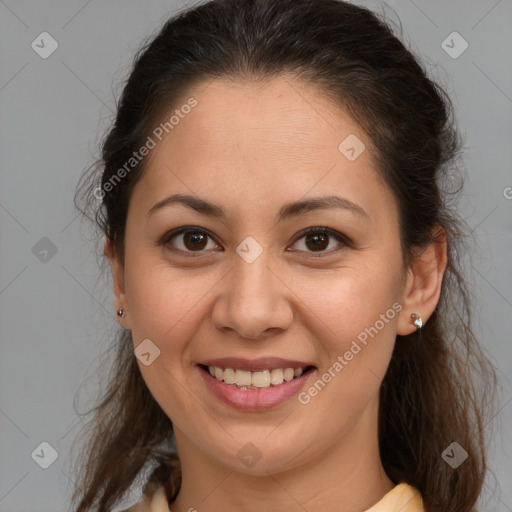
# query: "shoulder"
155, 503
403, 497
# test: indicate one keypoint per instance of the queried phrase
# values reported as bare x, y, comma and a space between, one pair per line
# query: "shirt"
402, 498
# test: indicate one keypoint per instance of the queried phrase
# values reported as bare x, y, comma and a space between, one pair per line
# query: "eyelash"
344, 240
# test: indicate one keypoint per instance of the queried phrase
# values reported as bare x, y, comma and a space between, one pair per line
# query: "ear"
424, 280
118, 281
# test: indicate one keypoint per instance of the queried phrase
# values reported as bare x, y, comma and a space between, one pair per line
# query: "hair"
440, 383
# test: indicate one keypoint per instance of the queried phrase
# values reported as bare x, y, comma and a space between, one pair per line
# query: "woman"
285, 271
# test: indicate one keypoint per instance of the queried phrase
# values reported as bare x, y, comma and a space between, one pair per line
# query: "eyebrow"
287, 211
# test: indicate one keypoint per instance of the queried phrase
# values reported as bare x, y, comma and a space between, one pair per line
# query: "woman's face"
248, 285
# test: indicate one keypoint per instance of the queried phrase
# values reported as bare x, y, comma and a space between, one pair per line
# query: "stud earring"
121, 313
417, 321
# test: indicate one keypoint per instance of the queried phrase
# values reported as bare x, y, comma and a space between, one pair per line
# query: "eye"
190, 239
317, 239
195, 240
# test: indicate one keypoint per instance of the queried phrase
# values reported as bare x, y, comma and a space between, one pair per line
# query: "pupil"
196, 238
320, 241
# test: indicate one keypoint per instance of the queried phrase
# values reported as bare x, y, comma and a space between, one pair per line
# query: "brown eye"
188, 240
194, 241
319, 239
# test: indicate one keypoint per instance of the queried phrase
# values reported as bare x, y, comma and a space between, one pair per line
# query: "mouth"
255, 385
255, 380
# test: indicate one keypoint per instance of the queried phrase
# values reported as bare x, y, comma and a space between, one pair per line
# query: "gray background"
56, 315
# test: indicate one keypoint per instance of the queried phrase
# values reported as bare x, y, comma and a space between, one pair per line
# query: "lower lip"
254, 399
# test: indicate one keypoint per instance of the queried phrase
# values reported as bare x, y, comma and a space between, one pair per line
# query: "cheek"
163, 305
354, 321
349, 304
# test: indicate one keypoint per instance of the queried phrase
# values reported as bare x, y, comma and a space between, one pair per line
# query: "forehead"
283, 116
260, 141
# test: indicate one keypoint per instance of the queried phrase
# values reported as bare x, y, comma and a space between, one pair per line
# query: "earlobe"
118, 282
423, 284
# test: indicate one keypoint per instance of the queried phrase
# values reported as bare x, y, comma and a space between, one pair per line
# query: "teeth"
276, 376
253, 380
229, 376
288, 374
243, 378
261, 379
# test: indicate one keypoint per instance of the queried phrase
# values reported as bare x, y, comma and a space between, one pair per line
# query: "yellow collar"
402, 498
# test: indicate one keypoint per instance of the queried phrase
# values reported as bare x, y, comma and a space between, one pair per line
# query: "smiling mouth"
243, 379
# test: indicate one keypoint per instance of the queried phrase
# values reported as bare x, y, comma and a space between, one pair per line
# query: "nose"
253, 301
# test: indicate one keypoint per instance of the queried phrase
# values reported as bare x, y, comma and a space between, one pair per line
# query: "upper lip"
255, 365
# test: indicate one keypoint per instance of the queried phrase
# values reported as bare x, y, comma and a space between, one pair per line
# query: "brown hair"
439, 382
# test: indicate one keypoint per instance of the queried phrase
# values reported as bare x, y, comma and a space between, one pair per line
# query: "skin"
251, 147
